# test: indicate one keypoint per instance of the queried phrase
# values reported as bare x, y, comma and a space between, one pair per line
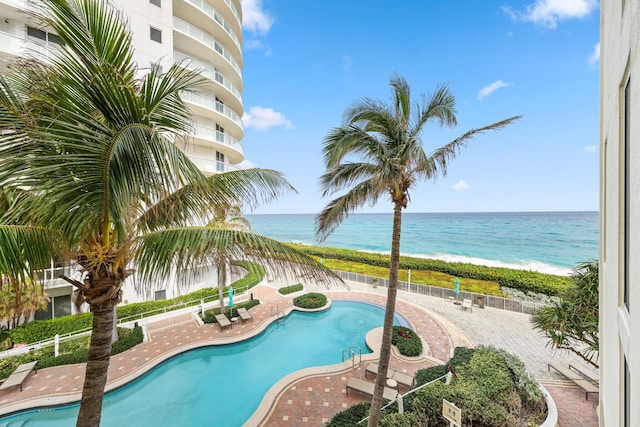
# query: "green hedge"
351, 416
291, 289
40, 330
310, 301
72, 351
408, 342
525, 281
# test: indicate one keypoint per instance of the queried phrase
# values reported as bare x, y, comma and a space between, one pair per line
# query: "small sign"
451, 412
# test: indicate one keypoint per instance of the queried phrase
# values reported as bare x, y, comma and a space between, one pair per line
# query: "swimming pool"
223, 385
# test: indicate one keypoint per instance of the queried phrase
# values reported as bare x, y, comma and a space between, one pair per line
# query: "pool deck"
312, 396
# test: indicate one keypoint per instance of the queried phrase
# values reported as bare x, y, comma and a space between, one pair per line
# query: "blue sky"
306, 61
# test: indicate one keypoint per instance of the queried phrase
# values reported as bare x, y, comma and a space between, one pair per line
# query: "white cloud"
460, 186
254, 18
595, 55
488, 90
246, 164
548, 12
252, 45
261, 118
347, 62
591, 148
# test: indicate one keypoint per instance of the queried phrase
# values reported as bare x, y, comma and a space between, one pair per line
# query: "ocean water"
549, 242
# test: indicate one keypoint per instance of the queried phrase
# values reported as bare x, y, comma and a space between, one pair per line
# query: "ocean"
549, 242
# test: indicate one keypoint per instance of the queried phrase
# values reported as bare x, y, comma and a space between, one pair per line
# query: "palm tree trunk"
385, 349
97, 366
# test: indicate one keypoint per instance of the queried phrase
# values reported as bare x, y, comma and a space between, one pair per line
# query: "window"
219, 161
627, 192
156, 2
36, 33
155, 34
160, 295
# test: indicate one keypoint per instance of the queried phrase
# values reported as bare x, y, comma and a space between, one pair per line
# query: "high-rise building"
203, 35
620, 213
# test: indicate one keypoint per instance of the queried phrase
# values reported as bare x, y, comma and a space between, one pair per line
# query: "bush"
408, 342
525, 281
461, 356
40, 330
291, 289
351, 416
310, 301
400, 420
426, 375
72, 351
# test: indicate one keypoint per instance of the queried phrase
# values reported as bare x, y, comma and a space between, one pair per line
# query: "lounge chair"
244, 314
365, 387
467, 304
401, 378
223, 321
18, 376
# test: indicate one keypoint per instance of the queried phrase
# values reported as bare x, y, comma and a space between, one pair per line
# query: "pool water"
223, 385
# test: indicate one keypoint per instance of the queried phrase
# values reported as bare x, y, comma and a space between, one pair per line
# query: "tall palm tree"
93, 144
226, 217
387, 138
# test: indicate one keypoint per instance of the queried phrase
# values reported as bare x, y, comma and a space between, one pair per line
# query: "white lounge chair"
223, 321
400, 377
365, 387
467, 304
18, 376
244, 314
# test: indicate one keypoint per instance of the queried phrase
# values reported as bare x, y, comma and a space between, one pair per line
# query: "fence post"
56, 345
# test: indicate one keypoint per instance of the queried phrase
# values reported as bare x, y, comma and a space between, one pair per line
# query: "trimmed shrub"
408, 342
40, 330
400, 420
523, 280
461, 356
291, 289
426, 375
310, 301
351, 416
72, 351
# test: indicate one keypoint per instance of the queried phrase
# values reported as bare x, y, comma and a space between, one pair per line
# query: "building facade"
620, 213
202, 35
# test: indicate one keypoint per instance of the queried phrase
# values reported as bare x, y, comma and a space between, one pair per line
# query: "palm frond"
24, 249
161, 252
439, 159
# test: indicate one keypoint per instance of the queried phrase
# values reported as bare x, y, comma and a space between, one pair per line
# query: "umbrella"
457, 290
230, 296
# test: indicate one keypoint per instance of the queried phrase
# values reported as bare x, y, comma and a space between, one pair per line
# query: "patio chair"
365, 387
18, 376
244, 314
223, 321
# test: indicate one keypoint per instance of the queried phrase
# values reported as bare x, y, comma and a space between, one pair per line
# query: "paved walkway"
314, 399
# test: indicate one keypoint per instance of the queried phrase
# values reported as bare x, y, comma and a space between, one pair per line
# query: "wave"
531, 265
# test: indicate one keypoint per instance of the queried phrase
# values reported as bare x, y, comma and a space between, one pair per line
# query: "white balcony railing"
233, 9
11, 44
207, 70
212, 104
205, 39
209, 10
205, 132
208, 165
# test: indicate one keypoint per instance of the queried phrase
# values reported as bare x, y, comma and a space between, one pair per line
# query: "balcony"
202, 16
227, 118
11, 45
210, 135
228, 65
210, 167
234, 99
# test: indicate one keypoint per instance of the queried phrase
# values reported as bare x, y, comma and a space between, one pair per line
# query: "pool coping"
269, 400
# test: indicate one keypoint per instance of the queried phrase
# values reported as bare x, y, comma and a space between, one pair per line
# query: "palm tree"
92, 143
571, 323
226, 217
387, 139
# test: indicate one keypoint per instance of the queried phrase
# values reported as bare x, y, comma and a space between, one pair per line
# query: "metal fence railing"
519, 306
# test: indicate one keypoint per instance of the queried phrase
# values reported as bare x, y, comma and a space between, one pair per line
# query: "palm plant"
571, 323
93, 145
387, 139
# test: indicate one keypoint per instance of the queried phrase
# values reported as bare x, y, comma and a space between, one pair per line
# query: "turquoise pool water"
223, 385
